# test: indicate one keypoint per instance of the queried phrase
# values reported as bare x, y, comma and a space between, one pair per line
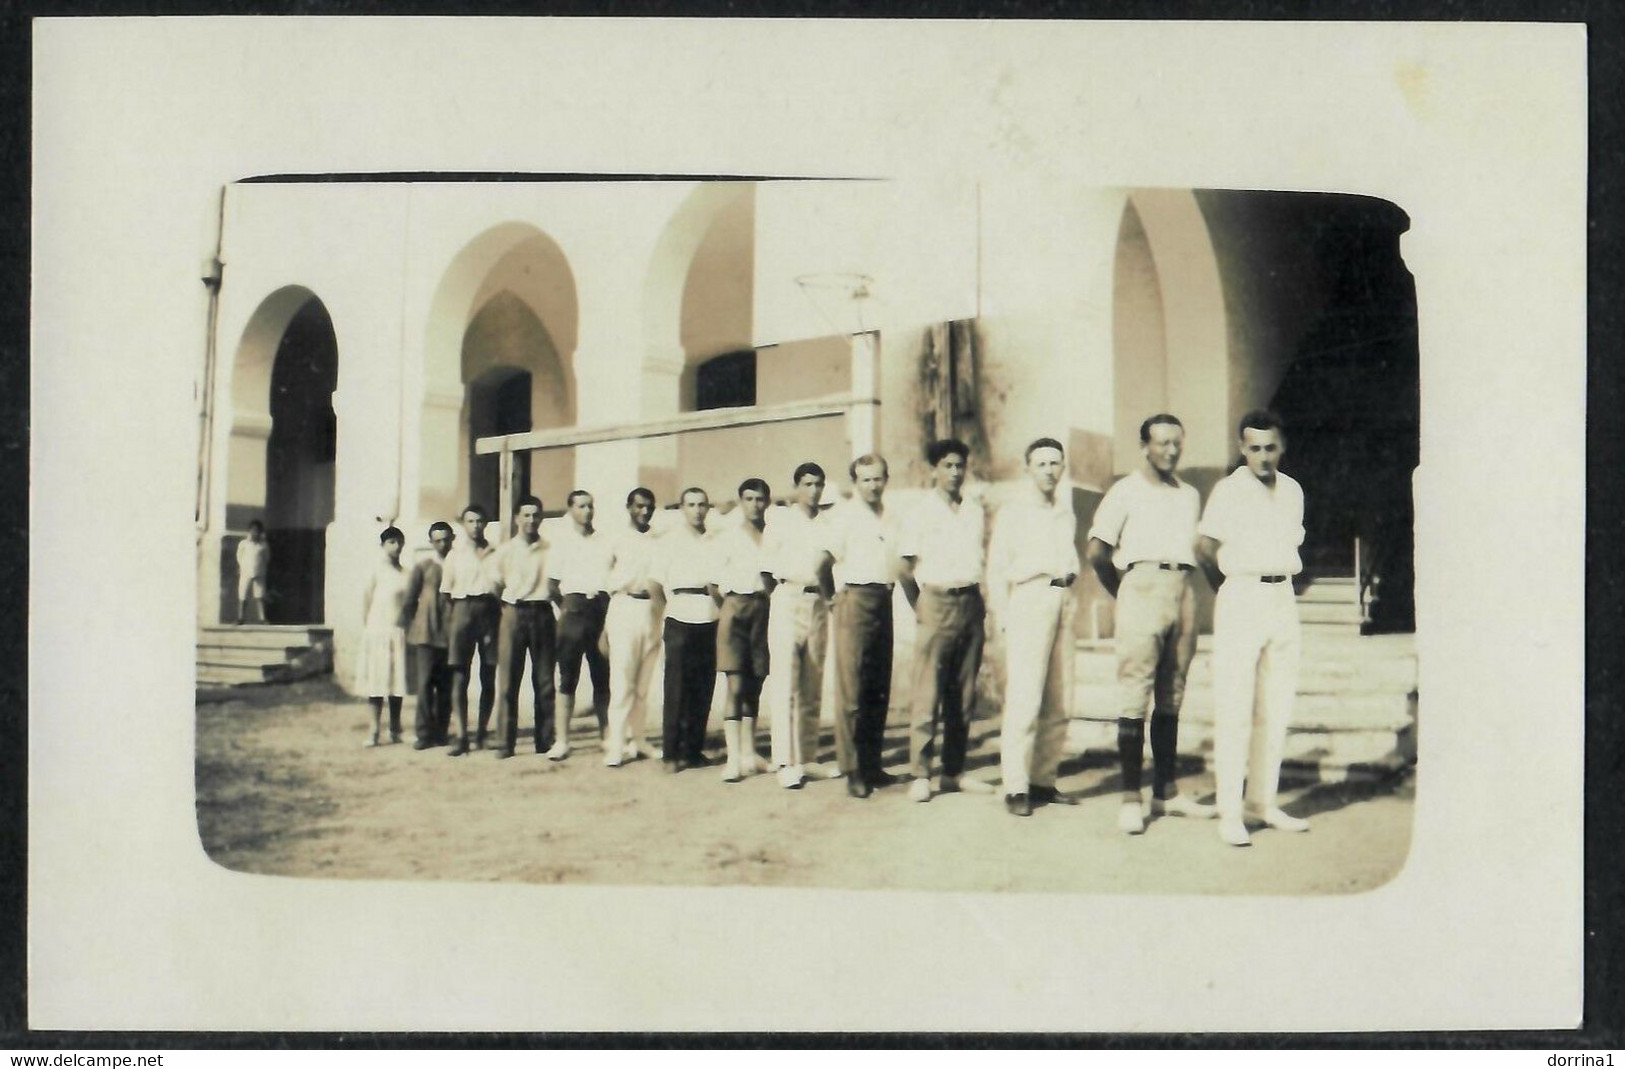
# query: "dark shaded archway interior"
299, 466
1327, 270
498, 403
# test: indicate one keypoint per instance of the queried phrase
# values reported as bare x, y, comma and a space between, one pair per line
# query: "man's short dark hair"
391, 534
692, 490
478, 510
809, 468
256, 525
946, 447
441, 525
1042, 443
528, 499
869, 460
642, 491
1259, 419
1152, 421
759, 485
571, 498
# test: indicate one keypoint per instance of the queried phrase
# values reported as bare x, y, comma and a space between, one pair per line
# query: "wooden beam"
712, 419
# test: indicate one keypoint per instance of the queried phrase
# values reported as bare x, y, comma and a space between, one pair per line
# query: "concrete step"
1328, 612
231, 674
1317, 671
248, 655
230, 656
264, 636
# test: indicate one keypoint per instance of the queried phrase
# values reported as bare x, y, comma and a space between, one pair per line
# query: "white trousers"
1255, 677
634, 647
1038, 667
797, 638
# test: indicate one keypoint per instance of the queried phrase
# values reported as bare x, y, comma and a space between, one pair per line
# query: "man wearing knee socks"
1142, 548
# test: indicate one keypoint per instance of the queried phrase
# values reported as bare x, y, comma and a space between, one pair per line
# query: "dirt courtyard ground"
284, 787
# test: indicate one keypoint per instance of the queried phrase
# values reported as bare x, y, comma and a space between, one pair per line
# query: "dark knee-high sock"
1164, 753
1130, 753
395, 715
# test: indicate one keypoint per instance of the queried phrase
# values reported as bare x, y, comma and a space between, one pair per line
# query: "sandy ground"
285, 787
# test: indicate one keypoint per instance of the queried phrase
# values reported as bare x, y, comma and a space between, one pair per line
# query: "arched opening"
498, 360
1139, 340
283, 446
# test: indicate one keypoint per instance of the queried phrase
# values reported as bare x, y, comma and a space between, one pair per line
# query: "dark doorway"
299, 467
498, 403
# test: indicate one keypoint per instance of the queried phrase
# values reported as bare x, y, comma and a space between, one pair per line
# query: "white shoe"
612, 759
632, 752
1234, 831
920, 790
1274, 817
1183, 805
559, 752
1130, 820
814, 770
790, 777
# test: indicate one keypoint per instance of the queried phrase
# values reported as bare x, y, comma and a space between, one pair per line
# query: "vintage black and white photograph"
816, 493
627, 543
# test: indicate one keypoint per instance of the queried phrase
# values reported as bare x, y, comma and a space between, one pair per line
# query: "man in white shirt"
1032, 564
681, 577
797, 631
742, 584
630, 629
578, 574
519, 569
1250, 536
473, 625
253, 560
860, 554
942, 552
1142, 546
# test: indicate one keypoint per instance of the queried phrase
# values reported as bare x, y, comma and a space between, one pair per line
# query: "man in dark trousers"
519, 569
424, 615
684, 567
472, 626
578, 573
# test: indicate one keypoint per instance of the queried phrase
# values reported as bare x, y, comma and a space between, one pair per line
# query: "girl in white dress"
381, 667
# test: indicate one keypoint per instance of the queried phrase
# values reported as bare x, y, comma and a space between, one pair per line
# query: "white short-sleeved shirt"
632, 554
1148, 521
863, 544
794, 543
580, 562
741, 558
1032, 539
686, 560
464, 573
945, 541
520, 569
1258, 529
251, 558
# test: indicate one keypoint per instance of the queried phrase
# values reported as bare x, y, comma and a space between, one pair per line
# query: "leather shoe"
880, 778
1049, 795
857, 786
422, 744
503, 753
671, 766
1018, 805
679, 765
458, 748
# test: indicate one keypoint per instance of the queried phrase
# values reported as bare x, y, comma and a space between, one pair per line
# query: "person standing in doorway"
467, 581
1032, 564
860, 554
1142, 547
380, 671
1250, 536
253, 559
942, 552
525, 630
742, 583
630, 627
424, 615
683, 569
797, 631
578, 573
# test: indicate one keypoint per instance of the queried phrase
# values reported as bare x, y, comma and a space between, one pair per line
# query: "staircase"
230, 656
1356, 707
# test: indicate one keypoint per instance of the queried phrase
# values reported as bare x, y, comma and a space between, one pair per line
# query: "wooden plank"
714, 419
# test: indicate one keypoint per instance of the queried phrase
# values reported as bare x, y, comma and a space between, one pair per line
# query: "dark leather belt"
869, 586
953, 591
1063, 583
688, 590
1167, 566
641, 595
745, 594
529, 603
476, 597
1273, 578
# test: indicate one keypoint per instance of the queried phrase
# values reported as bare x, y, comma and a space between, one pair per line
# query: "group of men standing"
755, 599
